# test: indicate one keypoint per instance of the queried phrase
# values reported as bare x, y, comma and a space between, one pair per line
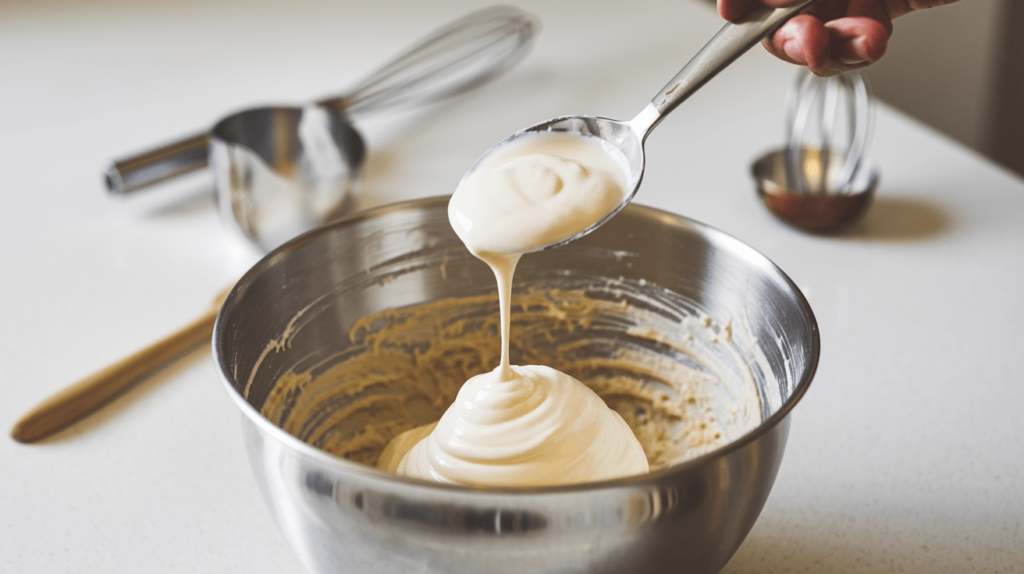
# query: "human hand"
832, 36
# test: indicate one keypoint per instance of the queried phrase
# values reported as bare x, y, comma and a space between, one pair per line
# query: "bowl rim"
344, 466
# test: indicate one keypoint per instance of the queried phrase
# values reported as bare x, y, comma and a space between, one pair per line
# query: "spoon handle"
734, 39
82, 398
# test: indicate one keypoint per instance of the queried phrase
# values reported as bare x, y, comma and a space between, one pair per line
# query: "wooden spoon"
88, 395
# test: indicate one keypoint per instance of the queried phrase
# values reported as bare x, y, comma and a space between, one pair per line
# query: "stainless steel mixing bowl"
342, 516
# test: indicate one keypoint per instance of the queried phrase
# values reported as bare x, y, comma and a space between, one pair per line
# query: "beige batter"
681, 386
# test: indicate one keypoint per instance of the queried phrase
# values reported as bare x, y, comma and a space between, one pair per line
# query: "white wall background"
956, 68
940, 67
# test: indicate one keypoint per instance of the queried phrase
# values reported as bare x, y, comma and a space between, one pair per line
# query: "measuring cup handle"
732, 41
138, 171
458, 57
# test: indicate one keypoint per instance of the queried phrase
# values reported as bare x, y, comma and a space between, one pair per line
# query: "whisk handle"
732, 41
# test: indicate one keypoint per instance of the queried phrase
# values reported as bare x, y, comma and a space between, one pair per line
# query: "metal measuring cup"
282, 170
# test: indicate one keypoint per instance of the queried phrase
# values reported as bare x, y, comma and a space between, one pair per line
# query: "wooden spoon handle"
75, 402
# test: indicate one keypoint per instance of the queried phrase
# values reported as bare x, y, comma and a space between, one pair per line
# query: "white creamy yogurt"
537, 190
531, 425
541, 427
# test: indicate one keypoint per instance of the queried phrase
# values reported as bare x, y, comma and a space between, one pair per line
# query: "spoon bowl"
618, 134
628, 137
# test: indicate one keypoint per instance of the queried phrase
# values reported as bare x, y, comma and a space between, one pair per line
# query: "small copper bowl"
810, 205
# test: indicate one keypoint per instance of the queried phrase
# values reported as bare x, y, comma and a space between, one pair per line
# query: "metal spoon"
732, 41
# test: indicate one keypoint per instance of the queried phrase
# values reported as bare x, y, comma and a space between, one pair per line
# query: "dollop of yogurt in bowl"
541, 427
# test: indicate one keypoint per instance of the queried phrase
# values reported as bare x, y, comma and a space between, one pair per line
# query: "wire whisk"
828, 127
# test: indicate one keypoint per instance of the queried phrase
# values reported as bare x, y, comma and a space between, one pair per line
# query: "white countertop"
906, 455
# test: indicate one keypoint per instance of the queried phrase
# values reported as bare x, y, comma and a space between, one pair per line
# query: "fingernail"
790, 45
792, 51
856, 54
